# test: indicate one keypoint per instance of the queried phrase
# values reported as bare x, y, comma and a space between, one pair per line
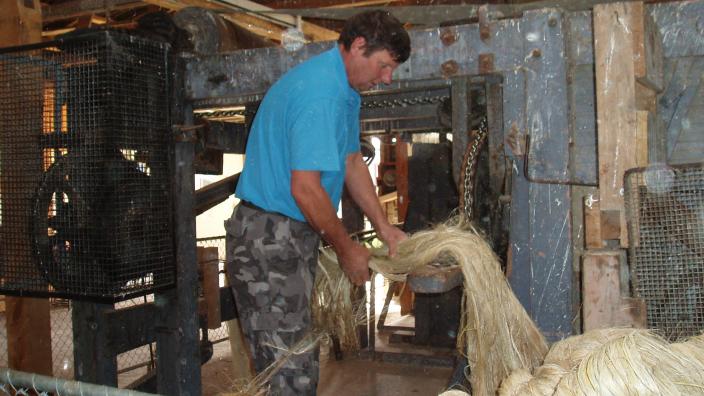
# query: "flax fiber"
615, 362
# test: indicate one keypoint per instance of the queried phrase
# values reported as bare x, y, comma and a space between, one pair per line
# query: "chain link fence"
132, 364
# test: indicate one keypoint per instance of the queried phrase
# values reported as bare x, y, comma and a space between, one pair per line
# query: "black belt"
250, 205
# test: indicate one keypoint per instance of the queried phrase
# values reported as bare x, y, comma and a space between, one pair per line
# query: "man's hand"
354, 261
392, 236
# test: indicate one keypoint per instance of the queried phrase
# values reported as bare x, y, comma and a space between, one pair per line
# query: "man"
303, 145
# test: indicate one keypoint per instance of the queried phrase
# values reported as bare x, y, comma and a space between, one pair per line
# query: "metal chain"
470, 168
221, 114
418, 100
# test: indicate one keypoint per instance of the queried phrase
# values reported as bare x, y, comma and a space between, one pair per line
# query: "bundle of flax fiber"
499, 335
615, 361
334, 310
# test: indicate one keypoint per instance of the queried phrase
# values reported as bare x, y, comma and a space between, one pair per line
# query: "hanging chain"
470, 169
418, 100
221, 114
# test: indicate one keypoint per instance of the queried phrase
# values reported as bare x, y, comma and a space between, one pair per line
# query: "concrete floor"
353, 376
356, 376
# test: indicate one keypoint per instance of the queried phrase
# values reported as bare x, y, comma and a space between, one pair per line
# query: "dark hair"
381, 31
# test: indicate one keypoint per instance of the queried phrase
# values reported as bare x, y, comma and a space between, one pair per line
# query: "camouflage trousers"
271, 261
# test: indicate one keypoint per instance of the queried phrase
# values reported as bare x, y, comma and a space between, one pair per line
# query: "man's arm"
359, 185
316, 207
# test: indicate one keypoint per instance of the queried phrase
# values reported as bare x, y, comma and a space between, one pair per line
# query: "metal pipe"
42, 383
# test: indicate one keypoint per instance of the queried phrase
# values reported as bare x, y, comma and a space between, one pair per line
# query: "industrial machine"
102, 134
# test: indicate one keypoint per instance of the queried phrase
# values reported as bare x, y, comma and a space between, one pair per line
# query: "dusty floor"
356, 376
349, 377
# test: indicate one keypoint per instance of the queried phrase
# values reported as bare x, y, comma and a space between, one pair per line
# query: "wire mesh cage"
84, 168
665, 209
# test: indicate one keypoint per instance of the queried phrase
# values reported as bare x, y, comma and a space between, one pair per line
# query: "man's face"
364, 72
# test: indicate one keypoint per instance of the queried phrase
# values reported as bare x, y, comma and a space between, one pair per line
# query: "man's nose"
386, 77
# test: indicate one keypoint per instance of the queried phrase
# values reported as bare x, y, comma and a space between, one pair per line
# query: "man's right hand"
354, 261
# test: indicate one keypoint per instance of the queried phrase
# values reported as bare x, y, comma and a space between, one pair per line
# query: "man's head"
373, 44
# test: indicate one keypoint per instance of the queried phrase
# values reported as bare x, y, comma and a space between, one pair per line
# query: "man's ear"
359, 44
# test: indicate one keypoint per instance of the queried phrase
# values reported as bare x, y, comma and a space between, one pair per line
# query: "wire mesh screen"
84, 168
665, 209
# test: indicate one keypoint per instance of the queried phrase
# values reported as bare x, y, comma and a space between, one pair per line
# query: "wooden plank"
28, 319
242, 366
20, 22
602, 302
76, 8
401, 156
254, 21
615, 93
592, 222
646, 98
647, 48
644, 122
29, 335
208, 263
610, 224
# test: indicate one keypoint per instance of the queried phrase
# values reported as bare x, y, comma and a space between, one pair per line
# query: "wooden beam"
363, 4
647, 49
208, 263
28, 319
602, 303
592, 223
315, 32
439, 13
401, 156
258, 26
248, 15
77, 8
616, 107
49, 34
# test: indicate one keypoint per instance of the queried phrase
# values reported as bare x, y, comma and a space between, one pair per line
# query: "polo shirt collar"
341, 73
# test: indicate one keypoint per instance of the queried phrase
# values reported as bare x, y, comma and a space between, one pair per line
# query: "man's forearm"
317, 208
320, 214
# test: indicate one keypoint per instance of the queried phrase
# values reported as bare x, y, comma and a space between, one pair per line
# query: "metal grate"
84, 168
665, 209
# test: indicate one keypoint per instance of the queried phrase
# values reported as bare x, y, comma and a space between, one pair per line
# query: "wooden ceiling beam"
78, 8
315, 32
268, 26
259, 26
363, 4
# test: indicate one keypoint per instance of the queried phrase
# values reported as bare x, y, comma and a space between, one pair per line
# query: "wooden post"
28, 319
602, 302
208, 263
628, 54
616, 116
592, 223
401, 178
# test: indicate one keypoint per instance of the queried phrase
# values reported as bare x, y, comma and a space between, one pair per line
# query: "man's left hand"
392, 236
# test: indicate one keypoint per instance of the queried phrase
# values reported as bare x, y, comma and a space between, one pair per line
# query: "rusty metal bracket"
186, 133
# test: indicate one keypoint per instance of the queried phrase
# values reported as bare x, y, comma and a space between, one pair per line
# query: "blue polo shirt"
308, 120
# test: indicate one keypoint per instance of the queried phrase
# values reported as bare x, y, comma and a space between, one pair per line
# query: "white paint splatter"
533, 36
